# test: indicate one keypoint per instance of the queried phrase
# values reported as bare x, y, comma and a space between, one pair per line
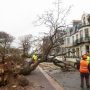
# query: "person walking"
84, 71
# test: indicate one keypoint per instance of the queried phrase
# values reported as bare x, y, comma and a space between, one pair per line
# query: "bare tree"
55, 22
5, 42
25, 42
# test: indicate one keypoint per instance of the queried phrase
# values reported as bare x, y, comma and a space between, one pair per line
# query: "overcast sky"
16, 16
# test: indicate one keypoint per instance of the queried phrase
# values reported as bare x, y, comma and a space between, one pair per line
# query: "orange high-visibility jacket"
84, 66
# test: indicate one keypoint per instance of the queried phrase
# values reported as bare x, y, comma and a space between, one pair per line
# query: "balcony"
81, 40
76, 42
86, 39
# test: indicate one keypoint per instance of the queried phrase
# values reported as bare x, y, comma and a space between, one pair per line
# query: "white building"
77, 39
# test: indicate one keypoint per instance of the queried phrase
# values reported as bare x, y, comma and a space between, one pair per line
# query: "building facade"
77, 39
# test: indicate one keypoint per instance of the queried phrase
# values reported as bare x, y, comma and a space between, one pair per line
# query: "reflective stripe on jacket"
84, 66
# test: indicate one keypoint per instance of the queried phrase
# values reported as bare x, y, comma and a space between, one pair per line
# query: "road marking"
52, 81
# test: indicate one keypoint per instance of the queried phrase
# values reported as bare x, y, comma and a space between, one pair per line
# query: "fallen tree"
65, 65
46, 46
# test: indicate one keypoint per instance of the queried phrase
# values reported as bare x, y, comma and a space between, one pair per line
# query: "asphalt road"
42, 81
68, 80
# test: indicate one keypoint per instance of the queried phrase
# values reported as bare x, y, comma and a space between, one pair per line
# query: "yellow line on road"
52, 81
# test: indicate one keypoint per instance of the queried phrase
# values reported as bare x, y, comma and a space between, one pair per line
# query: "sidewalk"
41, 81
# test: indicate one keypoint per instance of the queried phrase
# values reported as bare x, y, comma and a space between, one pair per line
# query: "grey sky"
16, 16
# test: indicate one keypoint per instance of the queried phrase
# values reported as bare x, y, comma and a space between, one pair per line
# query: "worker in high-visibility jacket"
84, 71
34, 57
88, 57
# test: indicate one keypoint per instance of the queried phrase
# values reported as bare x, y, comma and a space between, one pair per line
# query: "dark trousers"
86, 77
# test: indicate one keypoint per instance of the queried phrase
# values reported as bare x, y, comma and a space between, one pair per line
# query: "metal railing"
81, 40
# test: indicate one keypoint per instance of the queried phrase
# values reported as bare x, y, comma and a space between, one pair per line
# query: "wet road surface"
68, 80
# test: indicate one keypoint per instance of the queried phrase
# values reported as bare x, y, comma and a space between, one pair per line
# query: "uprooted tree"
5, 42
52, 40
12, 58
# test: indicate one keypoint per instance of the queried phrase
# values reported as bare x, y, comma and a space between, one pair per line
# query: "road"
69, 80
40, 80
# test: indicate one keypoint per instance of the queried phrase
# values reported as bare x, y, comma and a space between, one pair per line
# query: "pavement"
40, 80
69, 80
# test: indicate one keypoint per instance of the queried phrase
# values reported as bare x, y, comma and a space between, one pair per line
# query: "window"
81, 50
72, 39
76, 38
73, 51
69, 52
84, 21
77, 52
81, 35
86, 32
68, 40
88, 19
87, 48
